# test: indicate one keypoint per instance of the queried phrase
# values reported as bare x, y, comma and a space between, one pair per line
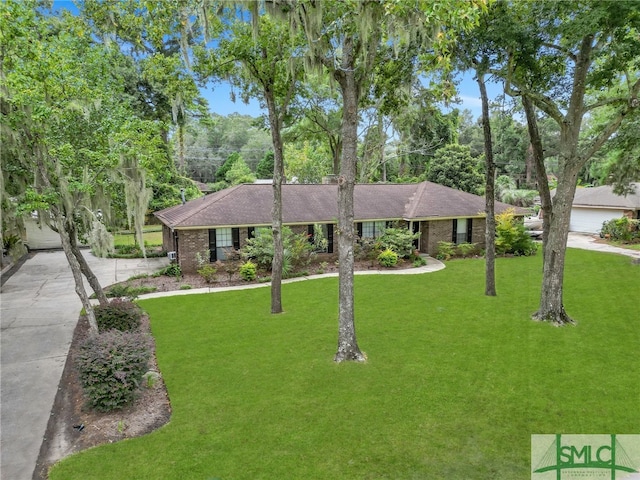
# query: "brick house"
225, 219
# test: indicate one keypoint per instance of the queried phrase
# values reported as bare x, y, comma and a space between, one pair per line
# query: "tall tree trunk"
59, 220
336, 152
347, 344
551, 298
276, 211
529, 167
76, 272
85, 268
541, 172
490, 228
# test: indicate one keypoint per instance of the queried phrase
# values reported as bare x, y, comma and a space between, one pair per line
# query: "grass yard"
455, 384
152, 236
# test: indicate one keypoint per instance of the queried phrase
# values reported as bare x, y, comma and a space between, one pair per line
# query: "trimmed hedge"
119, 314
111, 366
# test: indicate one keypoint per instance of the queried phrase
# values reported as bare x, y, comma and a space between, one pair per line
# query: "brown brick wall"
190, 242
167, 239
477, 231
437, 231
440, 231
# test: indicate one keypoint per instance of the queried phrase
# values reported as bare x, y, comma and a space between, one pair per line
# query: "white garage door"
589, 220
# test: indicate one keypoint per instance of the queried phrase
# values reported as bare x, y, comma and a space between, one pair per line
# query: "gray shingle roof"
605, 198
250, 204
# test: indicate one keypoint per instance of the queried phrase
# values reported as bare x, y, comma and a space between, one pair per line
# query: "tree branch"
603, 102
564, 50
615, 122
540, 100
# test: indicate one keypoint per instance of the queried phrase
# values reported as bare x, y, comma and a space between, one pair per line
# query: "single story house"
593, 206
226, 219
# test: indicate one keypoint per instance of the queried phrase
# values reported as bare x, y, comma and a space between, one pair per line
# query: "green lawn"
152, 236
455, 384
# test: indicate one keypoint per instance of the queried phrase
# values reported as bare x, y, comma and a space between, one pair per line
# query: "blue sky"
219, 98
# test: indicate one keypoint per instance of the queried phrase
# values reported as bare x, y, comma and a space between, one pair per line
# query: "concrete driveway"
587, 241
38, 314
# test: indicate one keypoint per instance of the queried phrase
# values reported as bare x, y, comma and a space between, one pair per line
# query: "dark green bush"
119, 314
621, 229
111, 366
367, 249
128, 291
418, 262
172, 270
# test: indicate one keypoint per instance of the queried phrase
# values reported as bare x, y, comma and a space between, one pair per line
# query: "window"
319, 236
461, 231
220, 239
224, 240
372, 229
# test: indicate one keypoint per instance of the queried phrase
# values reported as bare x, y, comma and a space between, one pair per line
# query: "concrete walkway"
38, 314
587, 241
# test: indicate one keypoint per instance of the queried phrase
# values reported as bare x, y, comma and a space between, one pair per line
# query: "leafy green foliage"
453, 166
367, 249
307, 162
248, 271
111, 366
265, 166
221, 173
320, 242
239, 173
419, 262
621, 229
297, 248
449, 250
208, 272
400, 240
120, 314
128, 291
446, 250
388, 258
512, 237
172, 270
466, 249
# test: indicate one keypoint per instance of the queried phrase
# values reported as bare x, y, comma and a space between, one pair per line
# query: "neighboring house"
593, 206
225, 219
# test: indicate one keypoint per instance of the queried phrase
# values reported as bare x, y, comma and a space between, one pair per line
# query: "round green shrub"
248, 271
111, 366
388, 258
118, 314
